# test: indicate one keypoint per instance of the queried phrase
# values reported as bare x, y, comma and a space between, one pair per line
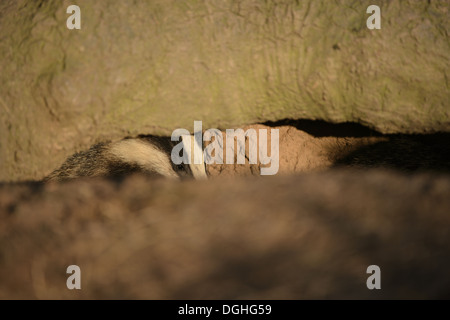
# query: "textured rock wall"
153, 66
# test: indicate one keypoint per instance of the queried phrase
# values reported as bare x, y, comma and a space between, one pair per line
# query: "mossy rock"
153, 66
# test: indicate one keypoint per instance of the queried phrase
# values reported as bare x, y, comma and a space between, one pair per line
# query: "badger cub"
146, 154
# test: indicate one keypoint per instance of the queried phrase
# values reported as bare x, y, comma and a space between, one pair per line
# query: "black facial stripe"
165, 144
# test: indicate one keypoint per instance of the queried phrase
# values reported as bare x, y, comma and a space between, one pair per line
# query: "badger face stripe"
196, 162
144, 154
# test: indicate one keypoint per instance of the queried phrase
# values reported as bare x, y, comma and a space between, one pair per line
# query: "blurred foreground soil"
299, 236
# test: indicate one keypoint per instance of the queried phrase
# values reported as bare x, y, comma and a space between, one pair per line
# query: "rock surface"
151, 67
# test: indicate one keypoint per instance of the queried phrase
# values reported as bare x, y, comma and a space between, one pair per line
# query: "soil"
338, 205
305, 236
308, 146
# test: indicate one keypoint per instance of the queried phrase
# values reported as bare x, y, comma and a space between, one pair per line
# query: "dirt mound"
308, 146
294, 237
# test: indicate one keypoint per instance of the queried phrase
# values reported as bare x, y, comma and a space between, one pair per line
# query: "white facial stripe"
196, 162
145, 155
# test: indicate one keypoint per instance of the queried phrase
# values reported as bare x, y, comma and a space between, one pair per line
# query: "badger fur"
146, 154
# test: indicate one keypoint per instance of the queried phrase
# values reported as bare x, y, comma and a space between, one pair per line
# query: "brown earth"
302, 236
299, 151
310, 232
312, 146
